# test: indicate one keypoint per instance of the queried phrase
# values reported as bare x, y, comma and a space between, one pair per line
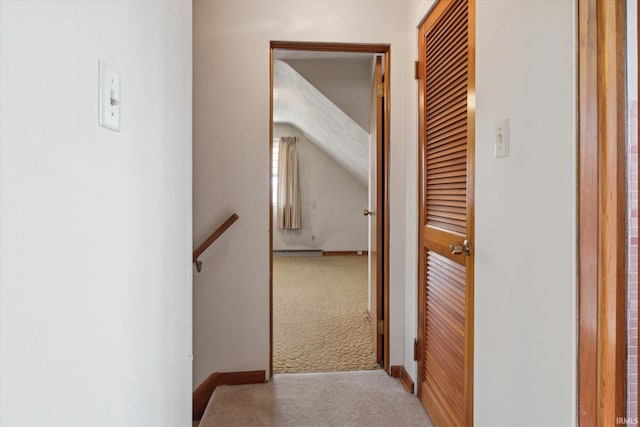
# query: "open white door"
375, 207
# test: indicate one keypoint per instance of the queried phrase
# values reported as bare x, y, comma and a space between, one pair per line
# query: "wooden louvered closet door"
446, 139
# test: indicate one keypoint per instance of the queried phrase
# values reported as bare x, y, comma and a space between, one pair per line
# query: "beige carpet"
346, 399
319, 315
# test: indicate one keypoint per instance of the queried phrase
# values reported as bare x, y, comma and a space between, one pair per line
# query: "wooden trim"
214, 236
386, 213
587, 214
612, 262
401, 374
471, 168
202, 394
379, 207
421, 186
345, 253
270, 226
601, 213
331, 47
383, 49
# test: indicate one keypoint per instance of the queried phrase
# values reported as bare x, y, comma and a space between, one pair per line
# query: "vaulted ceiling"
324, 121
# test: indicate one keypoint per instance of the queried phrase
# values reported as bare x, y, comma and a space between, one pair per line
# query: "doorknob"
367, 212
458, 248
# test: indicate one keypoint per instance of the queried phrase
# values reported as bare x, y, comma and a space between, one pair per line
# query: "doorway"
287, 233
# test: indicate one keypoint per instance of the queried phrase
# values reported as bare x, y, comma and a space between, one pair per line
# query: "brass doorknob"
367, 212
458, 248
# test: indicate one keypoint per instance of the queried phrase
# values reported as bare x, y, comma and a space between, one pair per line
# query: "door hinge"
415, 349
416, 70
380, 90
380, 326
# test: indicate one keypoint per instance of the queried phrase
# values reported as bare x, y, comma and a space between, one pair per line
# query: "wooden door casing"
383, 172
446, 140
376, 220
601, 212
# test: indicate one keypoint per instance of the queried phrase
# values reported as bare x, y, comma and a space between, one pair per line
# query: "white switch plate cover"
501, 134
109, 97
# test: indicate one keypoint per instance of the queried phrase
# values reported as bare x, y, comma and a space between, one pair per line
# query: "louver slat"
444, 114
446, 121
442, 30
444, 325
445, 102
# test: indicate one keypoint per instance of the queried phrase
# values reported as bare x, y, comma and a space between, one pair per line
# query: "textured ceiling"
299, 103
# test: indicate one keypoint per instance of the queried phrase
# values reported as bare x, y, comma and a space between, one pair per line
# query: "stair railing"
212, 238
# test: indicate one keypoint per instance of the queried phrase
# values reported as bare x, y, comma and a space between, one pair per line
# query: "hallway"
348, 399
98, 226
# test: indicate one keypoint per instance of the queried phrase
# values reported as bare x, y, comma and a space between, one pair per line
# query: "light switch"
501, 132
109, 94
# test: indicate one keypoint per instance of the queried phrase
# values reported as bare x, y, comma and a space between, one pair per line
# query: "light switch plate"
109, 97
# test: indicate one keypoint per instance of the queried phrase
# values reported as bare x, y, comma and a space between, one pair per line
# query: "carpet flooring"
346, 399
319, 315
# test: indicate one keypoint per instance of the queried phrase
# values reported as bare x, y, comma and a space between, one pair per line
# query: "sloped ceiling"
298, 103
345, 81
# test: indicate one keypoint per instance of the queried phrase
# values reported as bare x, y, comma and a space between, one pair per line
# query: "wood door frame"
601, 212
382, 49
437, 9
380, 138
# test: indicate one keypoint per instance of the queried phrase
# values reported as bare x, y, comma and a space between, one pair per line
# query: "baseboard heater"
300, 252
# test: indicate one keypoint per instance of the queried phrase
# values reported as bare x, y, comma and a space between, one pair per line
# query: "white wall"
231, 169
415, 13
525, 292
525, 283
331, 201
95, 278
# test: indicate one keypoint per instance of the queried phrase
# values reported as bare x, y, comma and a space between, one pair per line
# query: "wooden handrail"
214, 236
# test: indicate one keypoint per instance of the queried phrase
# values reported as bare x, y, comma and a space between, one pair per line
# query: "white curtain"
288, 189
